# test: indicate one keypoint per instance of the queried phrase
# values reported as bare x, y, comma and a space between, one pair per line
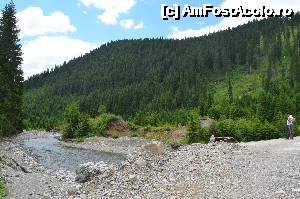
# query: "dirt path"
276, 146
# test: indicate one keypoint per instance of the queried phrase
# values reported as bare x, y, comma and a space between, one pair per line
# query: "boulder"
89, 170
207, 122
154, 147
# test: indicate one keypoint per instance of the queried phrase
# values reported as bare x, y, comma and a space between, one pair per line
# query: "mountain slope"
159, 77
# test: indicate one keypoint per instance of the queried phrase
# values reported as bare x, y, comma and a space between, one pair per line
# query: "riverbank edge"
3, 188
25, 176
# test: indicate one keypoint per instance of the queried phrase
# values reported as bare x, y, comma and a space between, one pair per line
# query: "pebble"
217, 170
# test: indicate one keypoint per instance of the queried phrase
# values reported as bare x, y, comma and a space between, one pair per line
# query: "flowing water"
56, 157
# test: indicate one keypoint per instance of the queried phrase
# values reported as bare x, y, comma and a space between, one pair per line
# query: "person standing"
289, 123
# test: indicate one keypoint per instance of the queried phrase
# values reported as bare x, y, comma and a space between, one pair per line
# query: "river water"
56, 157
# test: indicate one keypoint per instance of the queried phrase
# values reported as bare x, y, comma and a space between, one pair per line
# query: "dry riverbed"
265, 169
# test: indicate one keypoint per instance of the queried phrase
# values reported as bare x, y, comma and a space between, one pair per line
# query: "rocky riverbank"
266, 169
26, 177
254, 170
123, 145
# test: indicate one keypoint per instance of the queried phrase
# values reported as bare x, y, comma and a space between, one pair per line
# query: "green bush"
297, 130
201, 135
179, 116
196, 133
227, 128
133, 126
83, 128
71, 121
247, 129
279, 124
80, 125
98, 127
3, 189
99, 124
146, 118
265, 131
215, 111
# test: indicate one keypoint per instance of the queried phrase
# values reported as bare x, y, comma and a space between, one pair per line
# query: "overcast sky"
54, 31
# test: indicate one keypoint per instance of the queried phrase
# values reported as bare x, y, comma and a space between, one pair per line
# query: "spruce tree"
11, 75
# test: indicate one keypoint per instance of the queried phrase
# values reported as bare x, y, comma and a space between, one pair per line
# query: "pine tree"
11, 75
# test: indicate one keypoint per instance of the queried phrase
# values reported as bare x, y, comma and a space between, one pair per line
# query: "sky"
54, 31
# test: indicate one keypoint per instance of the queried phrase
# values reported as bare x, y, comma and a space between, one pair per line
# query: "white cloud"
130, 24
45, 52
33, 22
223, 25
139, 26
233, 22
112, 9
174, 29
109, 17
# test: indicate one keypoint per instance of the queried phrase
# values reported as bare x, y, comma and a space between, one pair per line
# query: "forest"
246, 78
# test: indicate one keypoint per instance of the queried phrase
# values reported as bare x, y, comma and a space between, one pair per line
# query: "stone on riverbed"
154, 147
89, 170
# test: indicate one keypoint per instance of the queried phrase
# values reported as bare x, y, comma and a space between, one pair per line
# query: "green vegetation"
3, 190
80, 125
99, 124
196, 133
246, 78
11, 79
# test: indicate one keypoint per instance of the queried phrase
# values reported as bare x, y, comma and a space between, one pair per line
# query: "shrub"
260, 131
179, 116
201, 135
226, 128
215, 111
196, 133
146, 118
3, 190
99, 124
279, 124
71, 119
297, 130
83, 128
133, 126
245, 129
80, 125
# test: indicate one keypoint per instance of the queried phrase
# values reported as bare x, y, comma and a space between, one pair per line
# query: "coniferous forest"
246, 78
11, 75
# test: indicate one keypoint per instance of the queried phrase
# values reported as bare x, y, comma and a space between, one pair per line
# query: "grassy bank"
3, 190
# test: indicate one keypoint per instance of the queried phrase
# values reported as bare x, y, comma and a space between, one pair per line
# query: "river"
56, 157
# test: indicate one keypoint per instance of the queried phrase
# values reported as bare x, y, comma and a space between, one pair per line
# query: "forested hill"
234, 73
